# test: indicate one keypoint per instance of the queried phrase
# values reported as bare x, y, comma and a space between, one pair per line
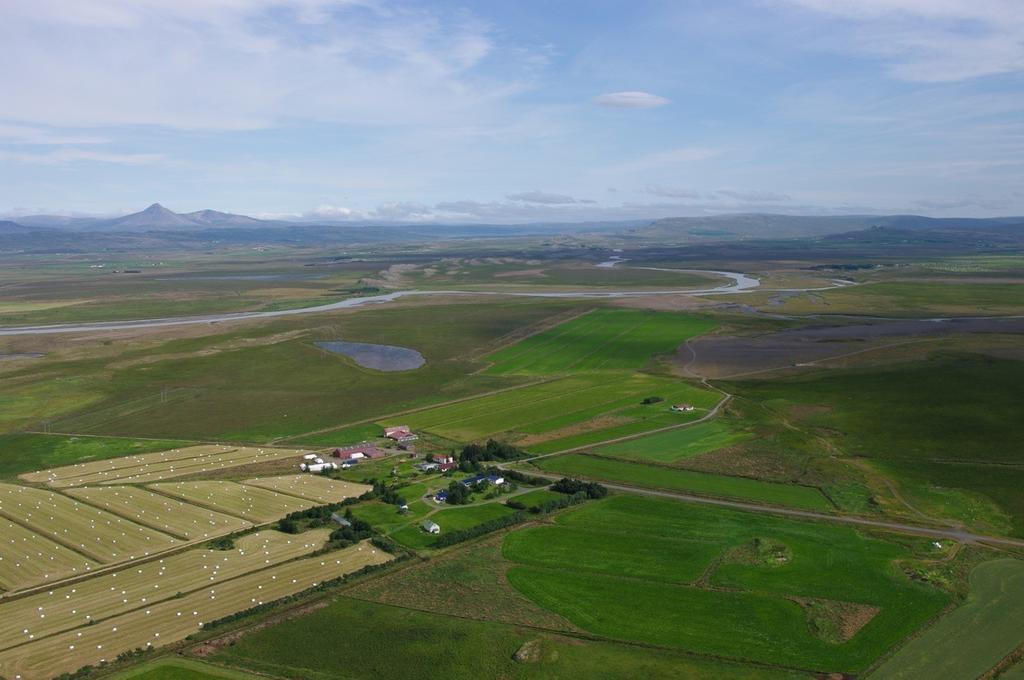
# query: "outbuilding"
431, 527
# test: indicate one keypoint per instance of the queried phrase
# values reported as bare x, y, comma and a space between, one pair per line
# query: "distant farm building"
495, 479
340, 519
431, 527
682, 408
317, 467
362, 450
400, 434
441, 496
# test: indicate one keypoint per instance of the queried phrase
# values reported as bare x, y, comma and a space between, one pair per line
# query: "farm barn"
681, 408
431, 527
361, 450
400, 434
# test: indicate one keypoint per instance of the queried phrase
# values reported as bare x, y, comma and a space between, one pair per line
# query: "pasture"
97, 534
173, 620
154, 467
947, 428
248, 502
604, 339
716, 597
177, 668
974, 637
322, 490
676, 445
591, 405
28, 558
675, 479
181, 520
457, 649
139, 586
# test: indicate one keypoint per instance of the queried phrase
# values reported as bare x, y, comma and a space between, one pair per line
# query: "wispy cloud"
630, 100
931, 40
66, 156
541, 197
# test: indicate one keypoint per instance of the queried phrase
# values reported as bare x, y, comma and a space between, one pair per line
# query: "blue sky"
512, 111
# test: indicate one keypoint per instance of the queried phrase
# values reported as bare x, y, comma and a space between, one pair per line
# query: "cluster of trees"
458, 494
314, 517
651, 400
472, 456
383, 492
86, 671
574, 486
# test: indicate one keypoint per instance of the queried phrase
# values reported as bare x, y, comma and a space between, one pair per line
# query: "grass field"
972, 639
176, 668
587, 405
450, 519
673, 479
946, 428
28, 558
259, 382
601, 340
455, 648
27, 452
131, 588
310, 487
908, 298
171, 621
154, 467
97, 534
387, 518
676, 445
737, 604
247, 502
181, 520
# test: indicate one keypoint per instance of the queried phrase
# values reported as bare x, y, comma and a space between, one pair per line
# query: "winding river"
739, 283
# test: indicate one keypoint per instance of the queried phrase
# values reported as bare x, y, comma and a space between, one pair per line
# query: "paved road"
740, 283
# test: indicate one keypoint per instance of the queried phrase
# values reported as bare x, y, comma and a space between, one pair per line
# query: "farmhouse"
428, 467
431, 527
680, 408
361, 450
493, 478
441, 496
400, 434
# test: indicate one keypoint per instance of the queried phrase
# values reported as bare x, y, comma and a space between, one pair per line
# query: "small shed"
431, 527
340, 519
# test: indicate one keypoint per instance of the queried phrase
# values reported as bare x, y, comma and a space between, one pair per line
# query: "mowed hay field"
181, 520
604, 339
675, 479
676, 445
723, 582
975, 636
27, 558
139, 586
97, 534
311, 487
247, 502
595, 405
26, 452
175, 619
154, 467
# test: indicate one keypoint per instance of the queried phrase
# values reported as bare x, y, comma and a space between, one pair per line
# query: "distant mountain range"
158, 227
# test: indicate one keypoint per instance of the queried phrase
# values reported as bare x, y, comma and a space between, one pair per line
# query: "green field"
907, 298
601, 340
972, 639
676, 445
454, 648
176, 668
947, 427
601, 405
450, 519
697, 585
674, 479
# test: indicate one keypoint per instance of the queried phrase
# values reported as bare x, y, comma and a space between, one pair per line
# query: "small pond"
378, 357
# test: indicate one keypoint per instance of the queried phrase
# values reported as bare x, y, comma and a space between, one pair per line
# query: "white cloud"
541, 197
630, 100
27, 134
246, 64
674, 192
661, 159
65, 156
931, 40
753, 196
